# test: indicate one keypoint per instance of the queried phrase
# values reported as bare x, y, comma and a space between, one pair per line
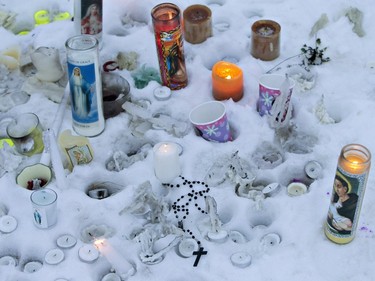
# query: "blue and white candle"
44, 203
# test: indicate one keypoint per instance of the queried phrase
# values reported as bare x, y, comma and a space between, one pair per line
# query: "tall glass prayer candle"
88, 17
166, 21
85, 85
227, 81
348, 192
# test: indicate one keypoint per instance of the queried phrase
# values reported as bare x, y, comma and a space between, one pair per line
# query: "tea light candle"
41, 17
197, 23
88, 253
162, 93
219, 236
7, 224
44, 202
99, 193
166, 161
187, 246
265, 40
296, 188
241, 259
118, 263
271, 240
32, 266
227, 81
54, 256
66, 241
313, 169
111, 277
271, 189
8, 261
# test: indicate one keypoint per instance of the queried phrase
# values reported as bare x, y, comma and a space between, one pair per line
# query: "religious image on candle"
347, 194
89, 16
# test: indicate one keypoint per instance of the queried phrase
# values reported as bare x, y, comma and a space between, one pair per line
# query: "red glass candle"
166, 19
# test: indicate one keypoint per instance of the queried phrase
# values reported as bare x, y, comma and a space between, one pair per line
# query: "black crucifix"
199, 253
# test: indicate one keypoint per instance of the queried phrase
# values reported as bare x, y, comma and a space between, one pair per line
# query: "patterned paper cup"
269, 90
210, 120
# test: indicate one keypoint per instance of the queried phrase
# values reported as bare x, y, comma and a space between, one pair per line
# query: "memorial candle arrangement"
88, 17
197, 23
347, 194
166, 21
265, 40
227, 81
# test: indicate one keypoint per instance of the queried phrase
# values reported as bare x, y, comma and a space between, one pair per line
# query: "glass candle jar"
85, 85
166, 19
348, 192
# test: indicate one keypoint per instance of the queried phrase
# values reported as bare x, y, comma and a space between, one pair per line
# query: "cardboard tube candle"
169, 44
348, 192
197, 23
265, 40
227, 81
166, 161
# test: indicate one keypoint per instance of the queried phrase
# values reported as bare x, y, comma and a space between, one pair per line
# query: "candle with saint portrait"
166, 19
348, 193
88, 17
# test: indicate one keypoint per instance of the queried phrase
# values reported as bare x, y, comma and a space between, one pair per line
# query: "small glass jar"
348, 192
166, 19
85, 85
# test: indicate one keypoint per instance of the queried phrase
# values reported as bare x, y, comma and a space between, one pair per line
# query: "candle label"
171, 58
345, 203
83, 92
40, 218
79, 155
91, 17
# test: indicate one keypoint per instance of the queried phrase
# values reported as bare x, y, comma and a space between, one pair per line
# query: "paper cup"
210, 120
269, 90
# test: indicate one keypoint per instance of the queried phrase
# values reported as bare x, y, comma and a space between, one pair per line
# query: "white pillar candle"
44, 202
54, 256
88, 253
47, 61
119, 263
7, 224
166, 161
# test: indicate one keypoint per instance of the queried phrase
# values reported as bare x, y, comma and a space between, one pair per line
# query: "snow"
304, 253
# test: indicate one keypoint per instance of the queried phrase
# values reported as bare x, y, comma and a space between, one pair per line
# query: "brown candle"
197, 23
265, 40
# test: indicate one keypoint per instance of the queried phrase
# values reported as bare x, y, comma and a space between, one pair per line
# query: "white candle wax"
119, 263
66, 241
88, 253
54, 256
32, 266
7, 224
166, 161
44, 202
271, 240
